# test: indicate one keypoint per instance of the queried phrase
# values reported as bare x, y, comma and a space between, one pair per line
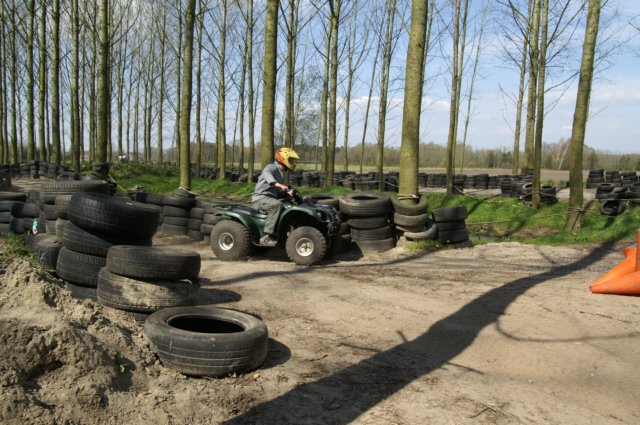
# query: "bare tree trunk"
537, 156
185, 116
121, 73
270, 74
323, 102
292, 34
31, 143
149, 112
179, 59
75, 101
453, 112
129, 95
534, 54
515, 164
93, 101
250, 100
243, 76
199, 94
136, 122
104, 76
467, 117
4, 145
574, 217
55, 84
409, 152
161, 92
221, 132
382, 115
335, 6
460, 68
15, 153
43, 83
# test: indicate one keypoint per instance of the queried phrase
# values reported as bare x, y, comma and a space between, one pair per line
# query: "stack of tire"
340, 242
196, 218
451, 226
633, 194
410, 217
604, 190
209, 219
368, 217
595, 177
152, 200
23, 216
548, 195
505, 188
458, 183
5, 176
142, 280
612, 176
96, 223
8, 200
615, 203
176, 209
628, 177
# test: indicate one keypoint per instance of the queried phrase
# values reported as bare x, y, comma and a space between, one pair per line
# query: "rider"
270, 190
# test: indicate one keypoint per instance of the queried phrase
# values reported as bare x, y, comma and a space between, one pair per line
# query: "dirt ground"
495, 334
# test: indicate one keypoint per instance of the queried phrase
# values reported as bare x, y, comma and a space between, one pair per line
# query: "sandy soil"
495, 334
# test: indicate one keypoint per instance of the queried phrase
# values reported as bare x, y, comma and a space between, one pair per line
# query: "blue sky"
615, 102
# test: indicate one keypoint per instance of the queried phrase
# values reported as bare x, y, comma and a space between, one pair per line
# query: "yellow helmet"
287, 157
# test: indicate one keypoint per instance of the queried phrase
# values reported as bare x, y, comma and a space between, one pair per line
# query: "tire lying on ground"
141, 262
144, 296
47, 248
613, 207
79, 269
206, 340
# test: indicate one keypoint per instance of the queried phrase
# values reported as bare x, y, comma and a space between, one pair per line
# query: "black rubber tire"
141, 262
173, 230
77, 239
22, 210
380, 233
8, 205
13, 196
144, 296
452, 236
418, 208
306, 246
47, 250
430, 233
59, 227
450, 214
49, 191
16, 225
5, 216
409, 220
194, 224
182, 338
180, 202
613, 207
324, 199
206, 229
230, 240
445, 226
154, 198
170, 211
339, 245
196, 213
82, 292
361, 204
62, 206
113, 214
367, 222
176, 221
50, 211
375, 246
212, 219
78, 268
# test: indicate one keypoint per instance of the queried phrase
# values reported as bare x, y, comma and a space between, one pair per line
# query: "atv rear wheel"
230, 240
306, 246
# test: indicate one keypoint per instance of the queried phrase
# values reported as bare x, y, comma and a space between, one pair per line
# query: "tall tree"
384, 90
104, 78
55, 84
250, 89
537, 143
42, 83
199, 93
534, 57
31, 143
574, 217
324, 100
185, 116
221, 128
75, 86
409, 153
270, 74
334, 6
161, 91
4, 147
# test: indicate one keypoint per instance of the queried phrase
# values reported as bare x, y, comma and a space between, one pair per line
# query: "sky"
614, 110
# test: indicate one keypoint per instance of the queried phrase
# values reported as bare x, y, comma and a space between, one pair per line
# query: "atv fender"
254, 229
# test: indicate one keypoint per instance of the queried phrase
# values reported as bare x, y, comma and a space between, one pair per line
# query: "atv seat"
251, 211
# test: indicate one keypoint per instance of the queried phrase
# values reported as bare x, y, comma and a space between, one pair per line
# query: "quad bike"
304, 228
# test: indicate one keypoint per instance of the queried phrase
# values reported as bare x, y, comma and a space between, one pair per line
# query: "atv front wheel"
306, 246
230, 240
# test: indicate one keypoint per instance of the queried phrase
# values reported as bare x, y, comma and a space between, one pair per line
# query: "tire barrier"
367, 215
451, 226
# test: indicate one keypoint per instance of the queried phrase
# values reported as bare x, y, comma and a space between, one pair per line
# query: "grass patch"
12, 247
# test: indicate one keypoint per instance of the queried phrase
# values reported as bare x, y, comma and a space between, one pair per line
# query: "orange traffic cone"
624, 278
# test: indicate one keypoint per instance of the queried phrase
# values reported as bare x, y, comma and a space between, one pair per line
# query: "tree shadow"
346, 394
